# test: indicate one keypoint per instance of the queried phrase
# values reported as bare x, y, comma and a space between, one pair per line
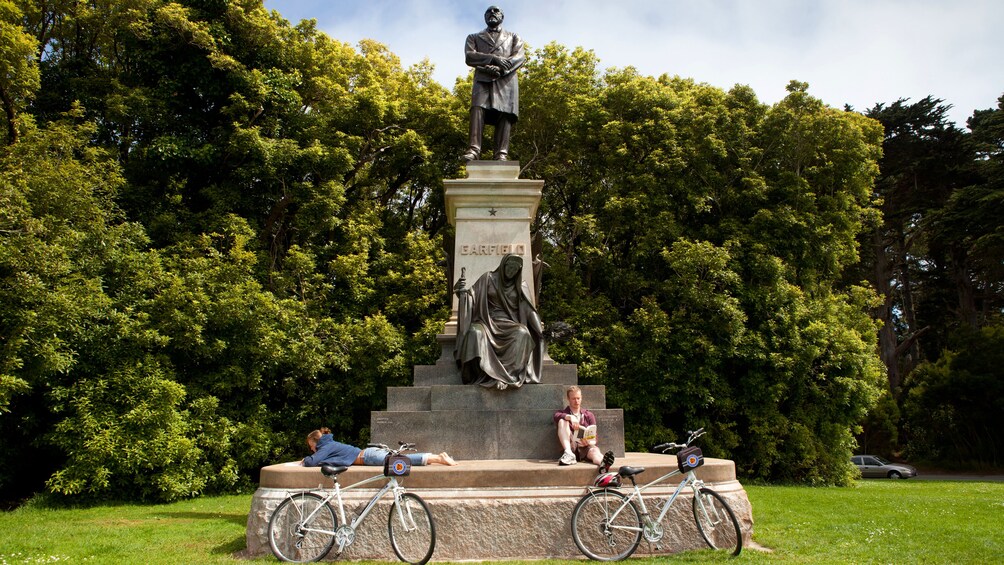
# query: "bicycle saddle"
630, 471
331, 470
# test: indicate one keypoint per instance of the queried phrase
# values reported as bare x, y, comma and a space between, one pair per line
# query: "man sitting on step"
577, 433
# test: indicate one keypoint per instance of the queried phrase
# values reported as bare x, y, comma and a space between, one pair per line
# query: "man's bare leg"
594, 456
565, 435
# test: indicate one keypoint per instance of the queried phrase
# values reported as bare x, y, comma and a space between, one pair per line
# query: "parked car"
875, 466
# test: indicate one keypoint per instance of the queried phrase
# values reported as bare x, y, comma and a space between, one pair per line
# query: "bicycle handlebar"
664, 447
403, 446
695, 434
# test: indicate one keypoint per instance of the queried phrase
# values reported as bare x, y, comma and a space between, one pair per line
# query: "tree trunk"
11, 113
909, 310
887, 334
968, 313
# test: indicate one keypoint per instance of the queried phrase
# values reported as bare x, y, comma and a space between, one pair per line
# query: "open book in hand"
586, 435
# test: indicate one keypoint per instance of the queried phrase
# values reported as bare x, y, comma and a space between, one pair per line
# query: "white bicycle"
304, 526
607, 525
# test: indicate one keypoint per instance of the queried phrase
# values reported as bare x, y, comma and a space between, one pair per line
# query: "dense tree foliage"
220, 230
696, 240
937, 260
218, 236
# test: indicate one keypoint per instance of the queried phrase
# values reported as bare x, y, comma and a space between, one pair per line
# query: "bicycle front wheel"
302, 528
412, 531
606, 526
717, 522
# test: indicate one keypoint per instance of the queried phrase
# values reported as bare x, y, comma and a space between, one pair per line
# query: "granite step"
473, 397
481, 434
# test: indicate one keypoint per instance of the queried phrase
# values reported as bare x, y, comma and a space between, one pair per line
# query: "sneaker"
608, 460
567, 458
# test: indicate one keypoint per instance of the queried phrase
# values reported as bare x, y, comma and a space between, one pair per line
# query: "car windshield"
880, 460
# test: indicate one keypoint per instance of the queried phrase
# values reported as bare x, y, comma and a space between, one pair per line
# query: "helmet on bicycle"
605, 480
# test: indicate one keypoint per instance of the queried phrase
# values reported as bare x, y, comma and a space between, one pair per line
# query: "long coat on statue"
495, 94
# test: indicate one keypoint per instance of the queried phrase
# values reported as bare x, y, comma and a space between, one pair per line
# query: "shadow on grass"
240, 519
235, 548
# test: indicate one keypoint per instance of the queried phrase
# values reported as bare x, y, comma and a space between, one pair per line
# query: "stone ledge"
509, 473
485, 169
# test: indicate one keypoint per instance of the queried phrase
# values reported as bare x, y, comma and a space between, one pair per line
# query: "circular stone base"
510, 509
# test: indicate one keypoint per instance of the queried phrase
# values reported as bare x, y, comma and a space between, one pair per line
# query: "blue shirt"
332, 452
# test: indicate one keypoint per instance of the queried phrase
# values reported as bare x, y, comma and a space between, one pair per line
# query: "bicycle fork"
403, 511
708, 512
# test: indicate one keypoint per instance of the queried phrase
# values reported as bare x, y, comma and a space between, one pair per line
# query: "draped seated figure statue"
499, 338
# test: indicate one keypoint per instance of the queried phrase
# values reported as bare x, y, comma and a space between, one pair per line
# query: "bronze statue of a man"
495, 54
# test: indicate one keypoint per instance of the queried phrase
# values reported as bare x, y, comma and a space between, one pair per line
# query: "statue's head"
512, 266
494, 16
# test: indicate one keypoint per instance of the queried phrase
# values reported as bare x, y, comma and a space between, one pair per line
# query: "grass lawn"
881, 521
877, 521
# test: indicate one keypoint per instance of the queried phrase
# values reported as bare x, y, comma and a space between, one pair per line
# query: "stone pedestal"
492, 209
492, 510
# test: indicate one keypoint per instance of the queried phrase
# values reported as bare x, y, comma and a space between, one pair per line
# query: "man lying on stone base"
326, 450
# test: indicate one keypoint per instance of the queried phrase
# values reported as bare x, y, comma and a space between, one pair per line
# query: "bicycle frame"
690, 480
608, 523
308, 523
392, 485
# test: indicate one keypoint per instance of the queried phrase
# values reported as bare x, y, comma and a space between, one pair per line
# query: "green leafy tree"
699, 252
969, 228
924, 160
935, 259
952, 397
57, 217
290, 187
952, 405
19, 74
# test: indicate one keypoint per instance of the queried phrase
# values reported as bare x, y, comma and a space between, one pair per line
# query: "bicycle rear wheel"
292, 528
606, 526
717, 522
411, 529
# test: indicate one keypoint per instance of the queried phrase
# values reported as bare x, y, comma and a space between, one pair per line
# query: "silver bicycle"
304, 527
607, 525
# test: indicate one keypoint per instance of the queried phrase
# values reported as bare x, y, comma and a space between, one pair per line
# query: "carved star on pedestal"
492, 211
